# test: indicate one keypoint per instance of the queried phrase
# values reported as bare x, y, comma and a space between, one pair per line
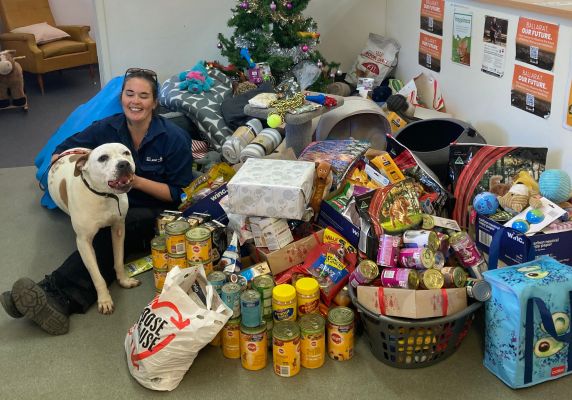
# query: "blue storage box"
527, 335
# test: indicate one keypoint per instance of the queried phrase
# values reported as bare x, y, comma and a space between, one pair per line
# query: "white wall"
484, 100
169, 35
74, 12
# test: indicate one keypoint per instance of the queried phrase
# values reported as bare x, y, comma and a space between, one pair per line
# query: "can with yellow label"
231, 338
207, 266
159, 252
308, 295
199, 244
176, 261
253, 347
312, 340
284, 303
341, 333
286, 348
175, 241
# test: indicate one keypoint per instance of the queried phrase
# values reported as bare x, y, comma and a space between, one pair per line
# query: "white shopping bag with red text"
171, 330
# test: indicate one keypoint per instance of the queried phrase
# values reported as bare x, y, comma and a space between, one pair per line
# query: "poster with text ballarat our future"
430, 48
532, 91
432, 12
536, 43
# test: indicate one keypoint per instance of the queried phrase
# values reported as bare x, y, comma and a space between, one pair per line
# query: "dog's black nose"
123, 166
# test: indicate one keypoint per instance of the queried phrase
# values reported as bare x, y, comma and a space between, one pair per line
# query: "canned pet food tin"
286, 348
159, 278
421, 238
230, 295
231, 338
417, 257
159, 252
217, 279
341, 333
478, 289
431, 279
388, 252
465, 249
308, 295
250, 308
253, 347
439, 260
174, 260
365, 272
264, 285
199, 244
284, 303
176, 237
312, 340
207, 265
405, 278
455, 277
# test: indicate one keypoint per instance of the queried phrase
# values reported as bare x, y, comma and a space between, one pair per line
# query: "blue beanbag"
102, 105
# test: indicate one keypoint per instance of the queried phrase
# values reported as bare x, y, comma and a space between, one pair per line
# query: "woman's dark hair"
147, 74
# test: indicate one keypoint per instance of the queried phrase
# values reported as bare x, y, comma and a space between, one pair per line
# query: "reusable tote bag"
171, 330
527, 335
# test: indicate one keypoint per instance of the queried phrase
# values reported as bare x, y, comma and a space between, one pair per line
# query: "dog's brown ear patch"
74, 157
81, 160
64, 192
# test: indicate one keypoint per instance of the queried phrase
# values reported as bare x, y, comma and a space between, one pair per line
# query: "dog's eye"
103, 158
126, 153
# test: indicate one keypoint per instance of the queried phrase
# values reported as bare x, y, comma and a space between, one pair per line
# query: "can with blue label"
230, 295
251, 308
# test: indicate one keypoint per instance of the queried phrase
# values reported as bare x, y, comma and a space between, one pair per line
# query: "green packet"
139, 266
341, 200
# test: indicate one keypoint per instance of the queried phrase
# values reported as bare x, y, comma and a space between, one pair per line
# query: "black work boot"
43, 303
9, 306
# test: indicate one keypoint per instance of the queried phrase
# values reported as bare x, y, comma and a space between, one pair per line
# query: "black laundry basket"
430, 139
407, 343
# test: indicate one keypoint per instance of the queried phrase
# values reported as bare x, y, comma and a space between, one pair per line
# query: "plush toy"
11, 80
497, 187
322, 185
554, 184
518, 198
196, 80
525, 177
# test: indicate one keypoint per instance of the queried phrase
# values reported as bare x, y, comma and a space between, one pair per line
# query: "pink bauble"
305, 48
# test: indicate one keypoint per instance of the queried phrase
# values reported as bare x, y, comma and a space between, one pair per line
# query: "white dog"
91, 186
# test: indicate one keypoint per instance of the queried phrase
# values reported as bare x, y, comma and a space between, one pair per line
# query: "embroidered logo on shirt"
157, 160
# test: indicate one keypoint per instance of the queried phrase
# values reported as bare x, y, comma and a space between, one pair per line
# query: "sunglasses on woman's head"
142, 71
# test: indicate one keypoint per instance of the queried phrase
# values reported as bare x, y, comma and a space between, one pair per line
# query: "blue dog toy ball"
555, 185
521, 225
485, 203
535, 216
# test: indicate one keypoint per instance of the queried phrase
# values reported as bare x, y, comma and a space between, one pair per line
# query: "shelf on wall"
550, 7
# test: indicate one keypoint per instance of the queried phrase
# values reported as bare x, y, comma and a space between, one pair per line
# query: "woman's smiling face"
137, 100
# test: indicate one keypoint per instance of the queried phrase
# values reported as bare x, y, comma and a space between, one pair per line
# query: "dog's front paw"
105, 306
129, 282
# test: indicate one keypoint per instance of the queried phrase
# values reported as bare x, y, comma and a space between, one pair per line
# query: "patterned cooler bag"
528, 336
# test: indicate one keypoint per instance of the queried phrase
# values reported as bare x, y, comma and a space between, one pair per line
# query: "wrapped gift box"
272, 188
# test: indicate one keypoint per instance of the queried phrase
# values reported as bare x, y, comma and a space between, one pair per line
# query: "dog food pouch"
376, 60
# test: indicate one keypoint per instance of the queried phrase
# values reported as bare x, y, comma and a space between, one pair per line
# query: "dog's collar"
108, 195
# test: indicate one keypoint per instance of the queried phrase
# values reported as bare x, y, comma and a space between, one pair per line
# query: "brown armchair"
77, 50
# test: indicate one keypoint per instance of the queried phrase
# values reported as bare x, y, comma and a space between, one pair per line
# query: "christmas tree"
275, 32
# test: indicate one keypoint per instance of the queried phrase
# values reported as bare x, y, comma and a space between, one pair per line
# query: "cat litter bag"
527, 336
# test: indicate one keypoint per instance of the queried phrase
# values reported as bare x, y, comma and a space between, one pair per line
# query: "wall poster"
430, 51
432, 12
494, 45
462, 32
532, 91
536, 43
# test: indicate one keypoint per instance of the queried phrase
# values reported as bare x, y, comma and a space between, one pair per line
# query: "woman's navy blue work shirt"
164, 154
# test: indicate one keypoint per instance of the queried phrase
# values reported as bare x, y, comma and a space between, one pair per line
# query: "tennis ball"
274, 120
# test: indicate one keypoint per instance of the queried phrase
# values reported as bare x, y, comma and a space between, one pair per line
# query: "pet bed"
204, 109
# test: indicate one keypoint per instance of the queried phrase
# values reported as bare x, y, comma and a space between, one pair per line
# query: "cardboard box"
273, 233
409, 303
211, 205
328, 216
293, 254
272, 188
556, 245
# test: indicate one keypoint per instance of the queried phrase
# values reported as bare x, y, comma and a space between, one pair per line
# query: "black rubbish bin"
430, 139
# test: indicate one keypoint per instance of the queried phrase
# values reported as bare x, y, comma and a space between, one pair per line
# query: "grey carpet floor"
90, 362
23, 134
